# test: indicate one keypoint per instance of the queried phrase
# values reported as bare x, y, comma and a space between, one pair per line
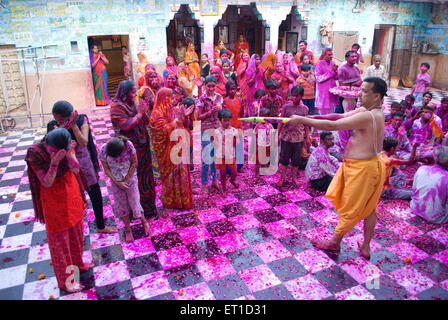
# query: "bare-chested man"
357, 185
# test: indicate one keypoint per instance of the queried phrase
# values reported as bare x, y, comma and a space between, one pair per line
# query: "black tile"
12, 293
11, 182
432, 268
14, 258
15, 169
335, 279
106, 255
143, 265
41, 267
116, 291
165, 296
24, 187
287, 269
428, 244
245, 195
17, 158
274, 293
228, 287
138, 232
422, 224
384, 288
244, 259
109, 221
203, 249
304, 222
220, 228
385, 237
4, 219
310, 205
276, 200
234, 209
22, 205
87, 279
39, 237
346, 254
386, 261
166, 241
184, 276
296, 243
6, 198
18, 228
268, 215
434, 293
257, 235
185, 220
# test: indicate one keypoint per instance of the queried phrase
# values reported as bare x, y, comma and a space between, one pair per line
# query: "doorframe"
394, 26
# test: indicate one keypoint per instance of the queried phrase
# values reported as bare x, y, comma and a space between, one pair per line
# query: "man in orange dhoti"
357, 185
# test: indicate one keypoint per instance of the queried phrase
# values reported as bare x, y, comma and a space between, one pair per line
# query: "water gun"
265, 119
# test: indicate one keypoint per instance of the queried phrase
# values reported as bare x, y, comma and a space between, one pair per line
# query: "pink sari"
258, 83
169, 69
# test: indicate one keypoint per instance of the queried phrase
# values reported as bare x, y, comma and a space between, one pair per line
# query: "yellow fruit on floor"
41, 276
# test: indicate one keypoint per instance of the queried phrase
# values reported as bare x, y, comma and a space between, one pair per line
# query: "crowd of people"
339, 150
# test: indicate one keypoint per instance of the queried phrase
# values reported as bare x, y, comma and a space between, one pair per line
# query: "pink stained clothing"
320, 164
348, 74
127, 201
263, 140
207, 103
225, 152
120, 165
422, 82
404, 148
259, 80
430, 194
443, 117
325, 80
293, 133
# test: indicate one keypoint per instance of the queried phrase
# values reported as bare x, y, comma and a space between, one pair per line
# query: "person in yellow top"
395, 183
192, 61
356, 187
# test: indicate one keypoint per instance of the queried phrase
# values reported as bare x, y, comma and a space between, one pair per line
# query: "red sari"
61, 207
242, 79
239, 46
176, 180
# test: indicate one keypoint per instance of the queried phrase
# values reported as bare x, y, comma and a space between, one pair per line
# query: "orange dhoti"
355, 191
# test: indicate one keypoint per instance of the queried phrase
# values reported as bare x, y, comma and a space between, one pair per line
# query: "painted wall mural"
59, 23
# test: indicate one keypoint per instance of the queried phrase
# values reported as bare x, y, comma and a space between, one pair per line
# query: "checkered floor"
255, 244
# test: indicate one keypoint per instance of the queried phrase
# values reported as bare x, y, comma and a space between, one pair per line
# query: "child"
263, 141
208, 106
227, 71
394, 185
308, 82
421, 83
394, 108
305, 59
256, 106
235, 105
119, 160
272, 100
226, 131
292, 137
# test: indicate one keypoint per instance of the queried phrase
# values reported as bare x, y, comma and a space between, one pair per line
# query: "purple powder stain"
280, 228
150, 285
290, 210
231, 242
257, 204
271, 250
194, 234
244, 222
174, 257
215, 267
161, 226
297, 195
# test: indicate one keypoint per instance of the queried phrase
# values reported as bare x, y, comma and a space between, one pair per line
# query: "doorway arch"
183, 27
243, 20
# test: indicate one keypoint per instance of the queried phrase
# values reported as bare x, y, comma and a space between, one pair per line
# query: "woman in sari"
255, 78
268, 63
192, 61
142, 63
131, 121
242, 78
218, 49
99, 73
221, 81
176, 180
241, 46
171, 68
283, 79
57, 188
186, 80
289, 66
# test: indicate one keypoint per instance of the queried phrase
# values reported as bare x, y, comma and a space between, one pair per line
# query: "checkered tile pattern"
255, 244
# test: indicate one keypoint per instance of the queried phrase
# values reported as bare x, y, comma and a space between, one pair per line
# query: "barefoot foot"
87, 266
326, 245
146, 228
365, 252
129, 236
107, 230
